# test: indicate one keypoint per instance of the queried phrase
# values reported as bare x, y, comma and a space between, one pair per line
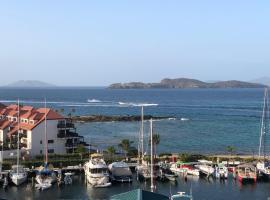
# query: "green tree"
156, 141
125, 145
81, 150
111, 150
230, 149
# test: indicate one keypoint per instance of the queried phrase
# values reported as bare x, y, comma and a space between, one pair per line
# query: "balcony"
67, 134
63, 124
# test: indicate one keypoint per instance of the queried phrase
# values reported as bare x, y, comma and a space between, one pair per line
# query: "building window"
31, 121
50, 141
50, 150
40, 142
40, 151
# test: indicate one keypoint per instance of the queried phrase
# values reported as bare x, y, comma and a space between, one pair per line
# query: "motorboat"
221, 171
96, 171
263, 169
120, 172
205, 167
246, 173
18, 175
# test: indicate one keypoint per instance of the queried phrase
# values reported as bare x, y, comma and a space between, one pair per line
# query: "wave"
93, 101
136, 104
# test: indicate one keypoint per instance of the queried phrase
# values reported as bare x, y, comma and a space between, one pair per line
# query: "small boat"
96, 171
18, 175
221, 171
186, 168
205, 167
263, 169
246, 173
67, 178
176, 167
120, 172
45, 177
184, 119
144, 171
183, 195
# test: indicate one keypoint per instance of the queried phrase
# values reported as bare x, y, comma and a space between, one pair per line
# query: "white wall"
38, 134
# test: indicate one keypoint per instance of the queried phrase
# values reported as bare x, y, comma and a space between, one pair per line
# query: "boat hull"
18, 180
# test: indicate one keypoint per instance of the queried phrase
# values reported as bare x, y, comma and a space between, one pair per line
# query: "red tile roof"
27, 112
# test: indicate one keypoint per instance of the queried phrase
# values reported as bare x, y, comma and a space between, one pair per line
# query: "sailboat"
143, 169
45, 176
263, 167
18, 175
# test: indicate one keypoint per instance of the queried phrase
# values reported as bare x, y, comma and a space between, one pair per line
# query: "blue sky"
94, 43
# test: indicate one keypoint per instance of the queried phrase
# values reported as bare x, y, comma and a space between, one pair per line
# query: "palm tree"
125, 145
111, 150
156, 141
81, 150
230, 149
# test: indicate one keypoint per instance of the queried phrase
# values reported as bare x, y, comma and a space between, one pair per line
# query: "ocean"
201, 120
216, 118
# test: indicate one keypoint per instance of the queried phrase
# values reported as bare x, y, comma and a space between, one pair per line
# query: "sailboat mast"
262, 122
18, 137
142, 134
46, 140
266, 123
152, 161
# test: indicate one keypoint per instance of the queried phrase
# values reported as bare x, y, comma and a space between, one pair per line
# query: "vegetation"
125, 145
81, 150
230, 149
185, 157
111, 150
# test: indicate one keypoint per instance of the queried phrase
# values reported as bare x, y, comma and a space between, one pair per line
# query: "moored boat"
221, 171
18, 175
246, 173
96, 171
205, 167
120, 172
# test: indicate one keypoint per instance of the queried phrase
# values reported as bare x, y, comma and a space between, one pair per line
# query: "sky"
96, 43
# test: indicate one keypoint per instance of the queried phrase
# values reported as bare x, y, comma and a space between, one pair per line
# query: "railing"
65, 125
66, 134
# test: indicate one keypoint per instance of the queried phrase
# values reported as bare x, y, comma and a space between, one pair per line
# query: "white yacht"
221, 171
18, 175
96, 171
205, 167
120, 172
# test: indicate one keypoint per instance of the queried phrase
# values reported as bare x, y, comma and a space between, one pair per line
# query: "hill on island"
29, 84
186, 83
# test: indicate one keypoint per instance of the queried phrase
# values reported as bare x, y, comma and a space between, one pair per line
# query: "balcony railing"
67, 134
65, 125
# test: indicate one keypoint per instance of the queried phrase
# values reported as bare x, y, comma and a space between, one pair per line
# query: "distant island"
29, 84
180, 83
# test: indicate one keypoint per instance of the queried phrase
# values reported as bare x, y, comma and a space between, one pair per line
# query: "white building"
61, 133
